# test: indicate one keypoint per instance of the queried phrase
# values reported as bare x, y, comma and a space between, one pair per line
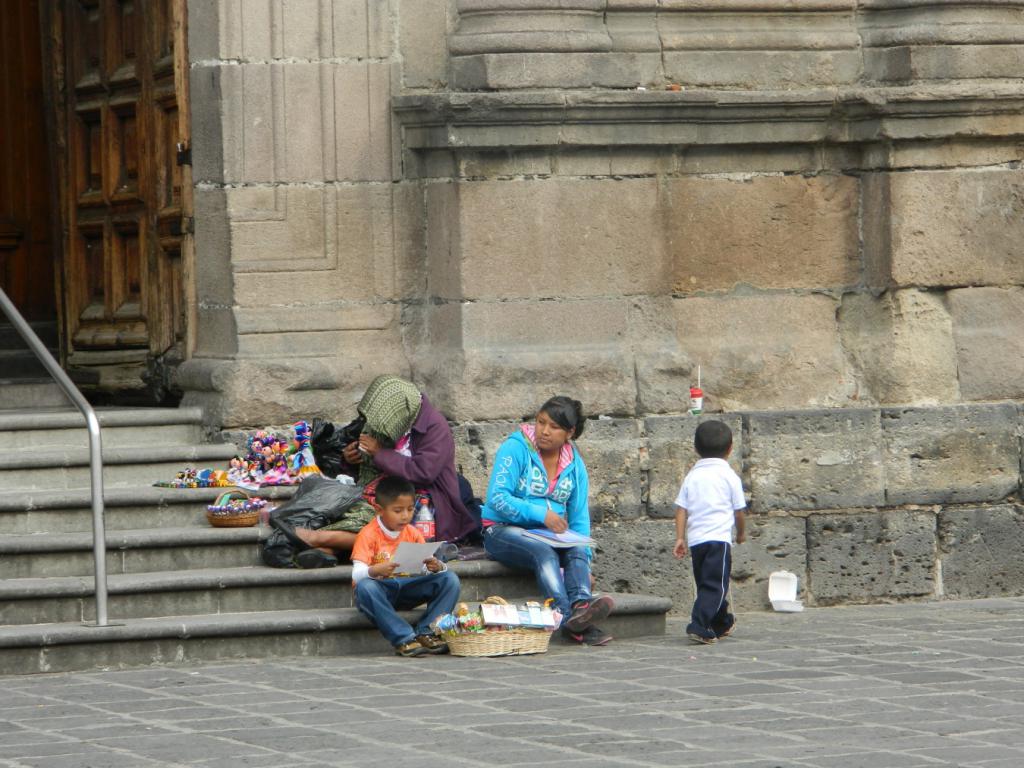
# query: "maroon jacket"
432, 468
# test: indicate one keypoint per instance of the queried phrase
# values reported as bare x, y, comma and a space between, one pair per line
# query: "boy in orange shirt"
380, 594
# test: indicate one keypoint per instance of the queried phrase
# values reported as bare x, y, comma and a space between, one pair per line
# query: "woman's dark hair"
566, 413
712, 440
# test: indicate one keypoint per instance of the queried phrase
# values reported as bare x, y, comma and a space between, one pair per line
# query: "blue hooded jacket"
517, 493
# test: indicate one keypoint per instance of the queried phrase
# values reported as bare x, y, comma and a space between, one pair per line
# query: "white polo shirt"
711, 493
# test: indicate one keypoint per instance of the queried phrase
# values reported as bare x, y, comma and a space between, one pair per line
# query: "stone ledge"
121, 417
79, 457
532, 120
81, 498
241, 625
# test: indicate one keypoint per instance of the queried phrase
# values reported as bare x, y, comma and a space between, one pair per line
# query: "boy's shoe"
432, 644
589, 636
585, 613
700, 635
727, 631
410, 649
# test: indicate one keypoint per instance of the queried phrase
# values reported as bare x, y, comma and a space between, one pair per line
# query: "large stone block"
774, 351
611, 449
945, 228
858, 558
796, 232
982, 551
499, 360
762, 69
774, 543
476, 444
325, 246
901, 344
955, 454
362, 28
671, 454
815, 459
422, 41
560, 238
362, 121
515, 71
637, 557
988, 325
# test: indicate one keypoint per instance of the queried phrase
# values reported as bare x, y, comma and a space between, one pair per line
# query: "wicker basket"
242, 518
506, 642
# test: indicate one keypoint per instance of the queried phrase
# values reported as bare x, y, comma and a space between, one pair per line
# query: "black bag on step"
318, 502
328, 442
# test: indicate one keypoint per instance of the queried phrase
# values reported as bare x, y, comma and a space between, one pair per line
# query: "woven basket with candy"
231, 512
498, 629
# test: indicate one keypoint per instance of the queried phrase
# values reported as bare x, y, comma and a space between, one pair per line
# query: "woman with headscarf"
405, 436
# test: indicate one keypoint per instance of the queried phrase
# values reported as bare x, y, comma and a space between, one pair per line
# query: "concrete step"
53, 468
65, 428
217, 590
59, 647
132, 551
46, 330
126, 508
31, 394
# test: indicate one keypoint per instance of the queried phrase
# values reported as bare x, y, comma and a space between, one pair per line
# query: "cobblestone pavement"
895, 686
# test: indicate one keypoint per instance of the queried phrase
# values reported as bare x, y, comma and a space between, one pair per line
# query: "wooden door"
128, 190
26, 252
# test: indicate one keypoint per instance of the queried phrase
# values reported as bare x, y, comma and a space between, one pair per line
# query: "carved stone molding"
516, 44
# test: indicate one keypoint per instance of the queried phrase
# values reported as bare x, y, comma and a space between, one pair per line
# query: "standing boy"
709, 502
381, 593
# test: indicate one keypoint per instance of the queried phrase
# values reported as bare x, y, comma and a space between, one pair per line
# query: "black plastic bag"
328, 442
317, 503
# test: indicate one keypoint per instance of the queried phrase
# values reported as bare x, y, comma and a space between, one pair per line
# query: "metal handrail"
99, 538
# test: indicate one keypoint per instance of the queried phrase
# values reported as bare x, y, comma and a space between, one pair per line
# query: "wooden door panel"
129, 204
26, 235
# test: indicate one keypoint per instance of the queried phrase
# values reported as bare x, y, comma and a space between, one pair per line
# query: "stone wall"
818, 202
863, 504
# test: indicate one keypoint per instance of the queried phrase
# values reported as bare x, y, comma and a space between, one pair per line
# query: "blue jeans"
507, 545
380, 600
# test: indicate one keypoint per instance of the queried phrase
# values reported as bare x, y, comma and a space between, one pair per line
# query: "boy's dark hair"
566, 413
712, 440
390, 488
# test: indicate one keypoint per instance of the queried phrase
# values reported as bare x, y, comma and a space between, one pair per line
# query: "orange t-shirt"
373, 546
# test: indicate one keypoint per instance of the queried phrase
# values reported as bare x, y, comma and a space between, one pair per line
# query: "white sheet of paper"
410, 556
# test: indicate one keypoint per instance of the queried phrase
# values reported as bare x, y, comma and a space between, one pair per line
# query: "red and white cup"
696, 401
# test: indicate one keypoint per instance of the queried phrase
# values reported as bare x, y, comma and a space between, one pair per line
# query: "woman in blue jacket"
539, 480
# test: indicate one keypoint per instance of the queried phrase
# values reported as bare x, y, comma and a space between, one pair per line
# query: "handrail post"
99, 536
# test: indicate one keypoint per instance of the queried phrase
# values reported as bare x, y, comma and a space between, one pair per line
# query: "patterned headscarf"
390, 407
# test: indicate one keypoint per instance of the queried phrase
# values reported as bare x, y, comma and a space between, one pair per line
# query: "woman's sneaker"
432, 644
587, 612
590, 636
410, 649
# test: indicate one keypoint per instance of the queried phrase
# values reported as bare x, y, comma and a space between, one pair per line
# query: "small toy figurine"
303, 463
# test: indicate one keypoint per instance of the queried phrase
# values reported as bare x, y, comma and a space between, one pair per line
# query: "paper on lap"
410, 556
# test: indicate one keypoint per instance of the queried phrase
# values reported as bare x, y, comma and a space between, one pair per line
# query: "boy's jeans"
712, 562
506, 544
380, 599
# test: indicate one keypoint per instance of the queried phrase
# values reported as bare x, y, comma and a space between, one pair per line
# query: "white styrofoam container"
782, 587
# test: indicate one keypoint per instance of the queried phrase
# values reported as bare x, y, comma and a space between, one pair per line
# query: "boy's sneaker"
700, 635
410, 649
585, 613
432, 644
589, 636
727, 631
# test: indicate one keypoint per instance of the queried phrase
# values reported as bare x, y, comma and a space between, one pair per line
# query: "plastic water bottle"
423, 518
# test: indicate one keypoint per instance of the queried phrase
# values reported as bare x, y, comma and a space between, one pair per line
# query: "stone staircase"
179, 590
